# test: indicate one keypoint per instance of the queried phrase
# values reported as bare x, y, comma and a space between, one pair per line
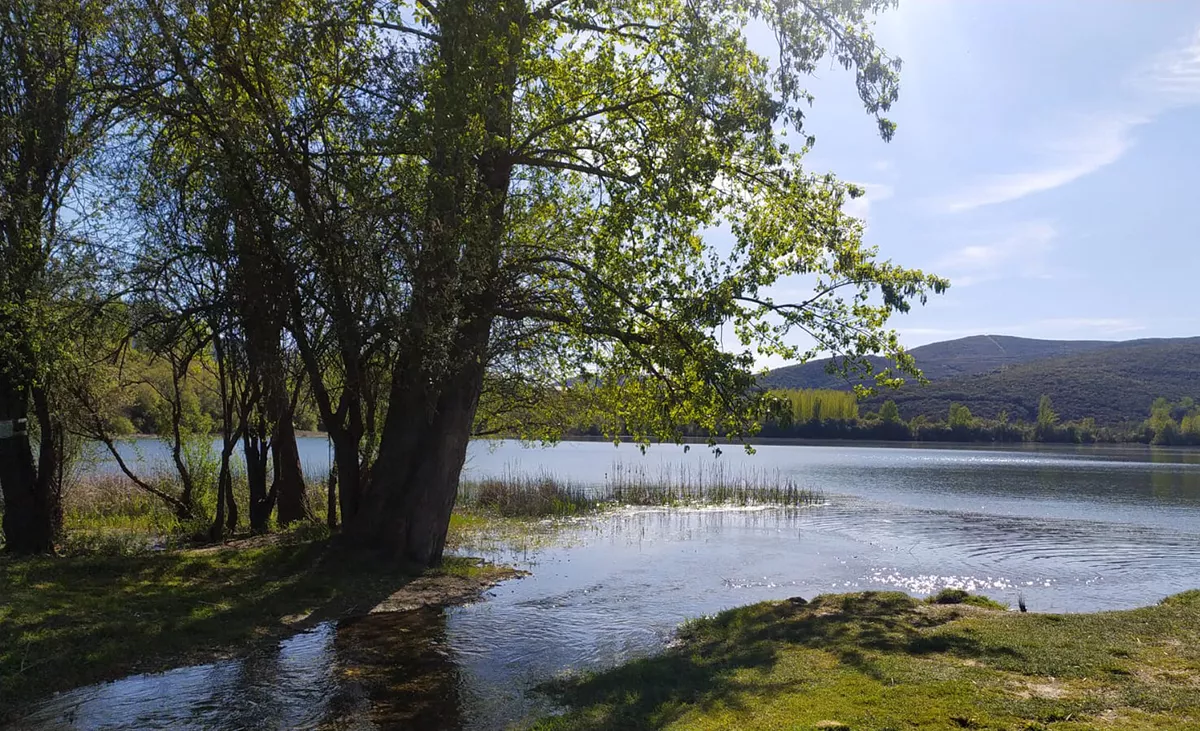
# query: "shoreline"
958, 658
881, 660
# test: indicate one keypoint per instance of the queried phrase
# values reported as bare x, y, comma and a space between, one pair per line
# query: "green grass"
876, 661
66, 622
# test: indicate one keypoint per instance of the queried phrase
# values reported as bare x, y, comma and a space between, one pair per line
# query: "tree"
571, 156
475, 209
53, 111
960, 417
889, 412
1161, 424
1046, 416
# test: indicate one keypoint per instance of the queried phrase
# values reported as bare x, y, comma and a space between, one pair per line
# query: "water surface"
1069, 530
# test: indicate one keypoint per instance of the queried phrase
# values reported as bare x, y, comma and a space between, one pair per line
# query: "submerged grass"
882, 660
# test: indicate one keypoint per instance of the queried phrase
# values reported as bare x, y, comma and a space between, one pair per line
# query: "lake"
1068, 530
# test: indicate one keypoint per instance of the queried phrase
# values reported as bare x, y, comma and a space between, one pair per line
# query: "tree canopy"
451, 217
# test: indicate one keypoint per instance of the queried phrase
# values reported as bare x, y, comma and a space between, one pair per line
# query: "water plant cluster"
546, 496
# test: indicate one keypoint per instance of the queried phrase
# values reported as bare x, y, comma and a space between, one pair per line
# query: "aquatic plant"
543, 495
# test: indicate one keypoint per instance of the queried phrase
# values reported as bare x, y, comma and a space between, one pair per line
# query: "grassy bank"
886, 661
66, 622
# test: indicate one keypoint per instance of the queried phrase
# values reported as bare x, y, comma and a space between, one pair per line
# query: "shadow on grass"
70, 622
854, 629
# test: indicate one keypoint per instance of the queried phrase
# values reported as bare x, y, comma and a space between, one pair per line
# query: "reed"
545, 496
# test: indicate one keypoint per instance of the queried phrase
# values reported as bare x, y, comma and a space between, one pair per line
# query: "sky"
1046, 161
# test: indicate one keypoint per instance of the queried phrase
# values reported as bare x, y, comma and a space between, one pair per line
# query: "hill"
1114, 383
948, 359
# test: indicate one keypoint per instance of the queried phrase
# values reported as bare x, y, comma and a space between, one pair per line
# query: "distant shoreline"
799, 442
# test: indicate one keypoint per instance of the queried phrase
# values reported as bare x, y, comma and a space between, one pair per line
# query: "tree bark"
406, 507
262, 502
289, 485
29, 509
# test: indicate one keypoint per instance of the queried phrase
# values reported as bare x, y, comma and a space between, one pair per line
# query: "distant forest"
790, 413
830, 414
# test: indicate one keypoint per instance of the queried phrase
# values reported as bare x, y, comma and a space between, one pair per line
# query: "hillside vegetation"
962, 357
1113, 384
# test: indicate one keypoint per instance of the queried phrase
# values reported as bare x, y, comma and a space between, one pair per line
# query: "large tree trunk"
30, 510
406, 507
289, 485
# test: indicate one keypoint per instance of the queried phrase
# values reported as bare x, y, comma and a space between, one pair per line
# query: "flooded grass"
883, 660
545, 496
66, 622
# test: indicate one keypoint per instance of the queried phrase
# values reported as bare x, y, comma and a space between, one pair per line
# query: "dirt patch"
444, 590
1154, 676
1051, 689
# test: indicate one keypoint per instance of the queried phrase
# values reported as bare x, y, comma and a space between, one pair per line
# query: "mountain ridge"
943, 359
1112, 382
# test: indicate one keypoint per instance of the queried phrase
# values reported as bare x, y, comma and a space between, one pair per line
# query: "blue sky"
1047, 161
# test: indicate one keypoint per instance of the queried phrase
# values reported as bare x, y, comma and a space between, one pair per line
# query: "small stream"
1073, 530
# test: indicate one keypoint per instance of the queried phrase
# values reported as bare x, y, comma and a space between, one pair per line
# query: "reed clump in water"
716, 485
544, 496
520, 496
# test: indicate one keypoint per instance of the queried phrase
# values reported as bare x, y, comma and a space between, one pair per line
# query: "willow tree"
574, 158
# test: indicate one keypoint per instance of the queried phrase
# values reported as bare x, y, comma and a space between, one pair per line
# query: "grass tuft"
960, 596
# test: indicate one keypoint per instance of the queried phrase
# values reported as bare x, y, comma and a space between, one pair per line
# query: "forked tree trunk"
406, 507
261, 502
30, 510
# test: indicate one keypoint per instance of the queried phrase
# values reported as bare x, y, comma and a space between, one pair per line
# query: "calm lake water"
1071, 530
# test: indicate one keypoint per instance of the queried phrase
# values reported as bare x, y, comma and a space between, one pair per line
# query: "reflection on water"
1080, 530
288, 686
381, 671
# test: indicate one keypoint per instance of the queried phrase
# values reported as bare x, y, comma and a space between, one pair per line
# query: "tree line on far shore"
834, 415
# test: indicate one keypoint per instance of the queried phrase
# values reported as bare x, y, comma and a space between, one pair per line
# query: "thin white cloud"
1169, 80
1097, 143
1173, 74
1019, 252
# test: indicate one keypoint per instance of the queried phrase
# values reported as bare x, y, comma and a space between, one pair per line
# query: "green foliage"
960, 417
816, 405
889, 413
1173, 423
